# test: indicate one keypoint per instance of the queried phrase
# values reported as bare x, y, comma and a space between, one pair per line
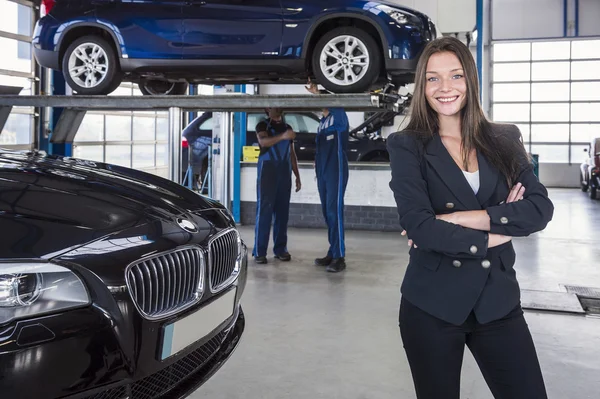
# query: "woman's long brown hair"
504, 153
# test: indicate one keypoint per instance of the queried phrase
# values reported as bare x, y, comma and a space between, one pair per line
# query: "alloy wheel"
344, 60
88, 65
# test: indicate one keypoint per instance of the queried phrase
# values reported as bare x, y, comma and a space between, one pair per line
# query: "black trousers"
503, 350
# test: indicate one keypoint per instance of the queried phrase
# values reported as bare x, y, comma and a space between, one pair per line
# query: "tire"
593, 192
101, 56
363, 76
584, 186
162, 87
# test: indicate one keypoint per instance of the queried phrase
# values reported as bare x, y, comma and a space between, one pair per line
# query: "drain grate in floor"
585, 292
551, 301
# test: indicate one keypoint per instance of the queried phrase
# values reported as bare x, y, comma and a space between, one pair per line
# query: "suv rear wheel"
346, 60
90, 66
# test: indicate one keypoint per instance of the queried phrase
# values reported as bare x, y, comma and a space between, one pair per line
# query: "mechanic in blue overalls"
331, 165
276, 162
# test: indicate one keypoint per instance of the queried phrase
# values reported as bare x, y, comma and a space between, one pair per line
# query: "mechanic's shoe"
326, 261
286, 257
337, 265
261, 260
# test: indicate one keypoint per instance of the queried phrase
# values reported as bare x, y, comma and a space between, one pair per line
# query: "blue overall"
331, 165
273, 191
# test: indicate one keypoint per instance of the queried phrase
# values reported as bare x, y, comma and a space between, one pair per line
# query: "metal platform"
75, 107
225, 103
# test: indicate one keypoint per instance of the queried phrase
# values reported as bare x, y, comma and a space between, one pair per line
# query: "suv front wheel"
346, 60
90, 66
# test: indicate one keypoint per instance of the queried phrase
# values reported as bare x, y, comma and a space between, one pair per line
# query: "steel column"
174, 144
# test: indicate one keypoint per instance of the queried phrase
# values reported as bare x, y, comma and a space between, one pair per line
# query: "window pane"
118, 128
18, 82
162, 128
577, 154
511, 72
550, 91
511, 92
551, 51
143, 128
586, 70
524, 132
14, 58
585, 112
89, 152
511, 112
143, 155
551, 153
550, 112
511, 52
558, 133
17, 129
119, 155
15, 18
91, 129
550, 71
584, 133
583, 49
582, 91
162, 157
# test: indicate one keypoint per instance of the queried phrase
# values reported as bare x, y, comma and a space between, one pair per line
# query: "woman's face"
446, 86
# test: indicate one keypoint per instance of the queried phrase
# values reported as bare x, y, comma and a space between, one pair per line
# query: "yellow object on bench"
251, 153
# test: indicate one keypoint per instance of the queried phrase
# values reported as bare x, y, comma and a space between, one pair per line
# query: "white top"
473, 179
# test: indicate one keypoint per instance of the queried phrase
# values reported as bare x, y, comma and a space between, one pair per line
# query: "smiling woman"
463, 188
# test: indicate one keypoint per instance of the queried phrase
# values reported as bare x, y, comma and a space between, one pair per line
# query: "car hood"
50, 205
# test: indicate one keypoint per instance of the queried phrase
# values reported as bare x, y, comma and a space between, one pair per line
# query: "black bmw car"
114, 283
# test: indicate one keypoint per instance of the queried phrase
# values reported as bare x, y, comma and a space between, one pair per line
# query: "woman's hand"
495, 240
516, 193
410, 242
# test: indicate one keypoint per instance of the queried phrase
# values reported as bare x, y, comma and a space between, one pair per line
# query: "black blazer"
452, 272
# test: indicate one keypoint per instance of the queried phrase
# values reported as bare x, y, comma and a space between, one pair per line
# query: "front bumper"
92, 366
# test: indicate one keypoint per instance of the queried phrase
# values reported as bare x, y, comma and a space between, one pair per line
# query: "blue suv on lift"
347, 46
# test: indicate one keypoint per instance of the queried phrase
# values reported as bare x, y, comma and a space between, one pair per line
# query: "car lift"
75, 107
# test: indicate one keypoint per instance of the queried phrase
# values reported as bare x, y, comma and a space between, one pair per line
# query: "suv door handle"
195, 3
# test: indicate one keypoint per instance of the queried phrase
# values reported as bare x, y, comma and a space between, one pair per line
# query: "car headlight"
400, 16
31, 289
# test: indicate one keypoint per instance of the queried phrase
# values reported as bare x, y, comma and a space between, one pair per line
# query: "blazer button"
457, 263
473, 249
486, 263
449, 205
503, 220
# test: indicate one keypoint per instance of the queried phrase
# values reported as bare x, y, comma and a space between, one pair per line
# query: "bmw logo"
187, 225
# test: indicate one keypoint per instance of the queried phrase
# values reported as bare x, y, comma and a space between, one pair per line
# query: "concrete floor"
311, 334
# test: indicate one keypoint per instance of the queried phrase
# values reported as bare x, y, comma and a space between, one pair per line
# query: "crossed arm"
480, 220
526, 210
